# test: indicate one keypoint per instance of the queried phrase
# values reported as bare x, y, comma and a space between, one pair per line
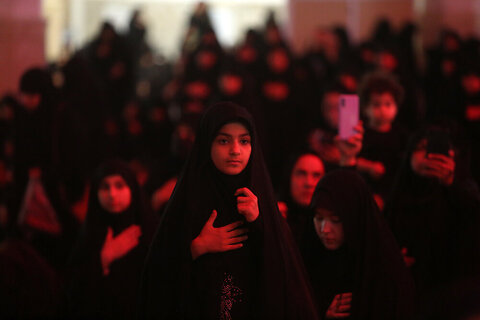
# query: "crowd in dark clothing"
115, 98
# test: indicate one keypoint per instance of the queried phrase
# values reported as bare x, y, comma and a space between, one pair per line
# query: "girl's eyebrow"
229, 135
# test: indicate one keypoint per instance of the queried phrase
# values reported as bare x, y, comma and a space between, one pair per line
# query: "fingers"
109, 233
346, 298
245, 192
238, 240
234, 246
341, 315
359, 127
232, 226
237, 232
133, 231
212, 218
343, 308
340, 306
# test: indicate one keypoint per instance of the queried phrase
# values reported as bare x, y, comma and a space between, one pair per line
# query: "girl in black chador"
434, 213
302, 174
354, 263
223, 251
107, 263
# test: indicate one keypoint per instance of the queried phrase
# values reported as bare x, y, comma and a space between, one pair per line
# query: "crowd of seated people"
416, 151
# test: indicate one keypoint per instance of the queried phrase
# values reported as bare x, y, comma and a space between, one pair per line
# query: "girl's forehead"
324, 212
233, 127
113, 178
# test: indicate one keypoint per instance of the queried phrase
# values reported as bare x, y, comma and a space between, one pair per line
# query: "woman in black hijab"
434, 213
354, 263
258, 278
107, 263
302, 174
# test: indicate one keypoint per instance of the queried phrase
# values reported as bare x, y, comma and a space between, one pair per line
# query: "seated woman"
352, 258
434, 213
105, 266
302, 175
222, 250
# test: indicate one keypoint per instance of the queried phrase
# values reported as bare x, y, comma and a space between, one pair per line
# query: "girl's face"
114, 194
305, 175
381, 109
329, 228
330, 108
231, 148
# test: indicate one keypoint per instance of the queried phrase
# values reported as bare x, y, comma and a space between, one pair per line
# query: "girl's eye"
336, 220
245, 141
222, 141
120, 185
103, 187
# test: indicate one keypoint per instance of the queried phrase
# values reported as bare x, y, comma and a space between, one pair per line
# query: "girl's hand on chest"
247, 204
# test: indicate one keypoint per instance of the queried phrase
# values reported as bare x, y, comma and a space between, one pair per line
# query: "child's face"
381, 109
330, 108
305, 175
329, 228
231, 148
114, 194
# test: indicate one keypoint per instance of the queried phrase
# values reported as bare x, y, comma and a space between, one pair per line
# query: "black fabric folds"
175, 287
437, 224
90, 293
369, 263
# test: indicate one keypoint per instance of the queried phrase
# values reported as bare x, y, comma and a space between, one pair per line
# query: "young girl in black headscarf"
223, 251
107, 263
354, 263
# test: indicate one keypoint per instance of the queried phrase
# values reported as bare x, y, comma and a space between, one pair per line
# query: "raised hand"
350, 148
409, 261
221, 239
247, 204
375, 169
340, 306
116, 247
436, 166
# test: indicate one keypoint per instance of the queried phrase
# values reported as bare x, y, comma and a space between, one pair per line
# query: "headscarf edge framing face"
378, 262
96, 214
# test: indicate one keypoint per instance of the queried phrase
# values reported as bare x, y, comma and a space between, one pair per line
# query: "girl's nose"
326, 226
235, 148
311, 181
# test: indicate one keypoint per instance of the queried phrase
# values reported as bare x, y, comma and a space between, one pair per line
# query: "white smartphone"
348, 115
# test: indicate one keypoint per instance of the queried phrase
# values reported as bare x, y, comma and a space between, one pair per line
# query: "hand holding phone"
348, 111
438, 142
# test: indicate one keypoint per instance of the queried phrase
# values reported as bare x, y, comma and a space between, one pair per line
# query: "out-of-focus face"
206, 59
471, 84
230, 84
30, 101
381, 109
329, 228
278, 60
231, 148
330, 108
387, 61
114, 194
306, 173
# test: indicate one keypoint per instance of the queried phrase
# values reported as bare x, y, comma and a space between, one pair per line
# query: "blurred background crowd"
114, 98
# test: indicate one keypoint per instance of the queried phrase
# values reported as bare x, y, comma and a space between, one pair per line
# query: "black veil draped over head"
368, 264
91, 294
297, 215
438, 224
269, 258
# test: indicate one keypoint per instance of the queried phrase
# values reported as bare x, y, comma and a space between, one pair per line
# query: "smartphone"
438, 142
348, 115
